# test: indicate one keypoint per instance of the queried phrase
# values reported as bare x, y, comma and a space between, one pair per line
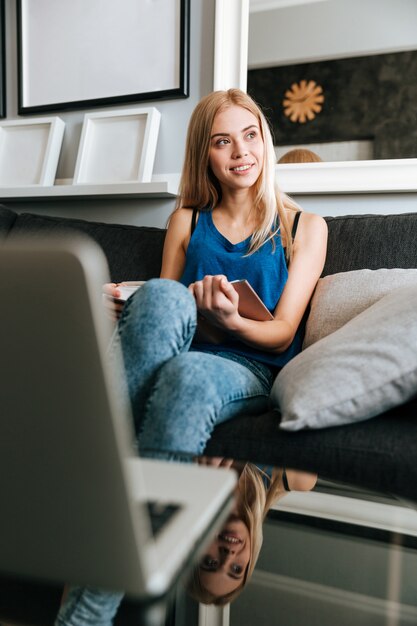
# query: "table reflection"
335, 555
228, 562
310, 544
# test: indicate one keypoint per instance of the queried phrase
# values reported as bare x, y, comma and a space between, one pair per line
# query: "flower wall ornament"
303, 101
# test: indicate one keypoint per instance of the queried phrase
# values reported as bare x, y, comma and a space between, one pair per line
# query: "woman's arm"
173, 262
176, 242
218, 301
301, 481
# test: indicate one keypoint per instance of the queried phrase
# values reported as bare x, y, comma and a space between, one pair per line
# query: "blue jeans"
177, 396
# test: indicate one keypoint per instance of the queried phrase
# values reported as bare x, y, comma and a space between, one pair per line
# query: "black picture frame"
37, 58
2, 60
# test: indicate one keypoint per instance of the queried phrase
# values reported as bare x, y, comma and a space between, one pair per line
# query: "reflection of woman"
229, 561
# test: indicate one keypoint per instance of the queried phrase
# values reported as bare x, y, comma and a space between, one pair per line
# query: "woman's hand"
217, 301
112, 306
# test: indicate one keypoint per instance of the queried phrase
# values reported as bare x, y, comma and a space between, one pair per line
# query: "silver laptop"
75, 495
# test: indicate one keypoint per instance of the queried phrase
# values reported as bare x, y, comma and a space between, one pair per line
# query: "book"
250, 304
127, 289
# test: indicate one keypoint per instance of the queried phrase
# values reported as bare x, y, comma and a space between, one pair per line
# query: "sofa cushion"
133, 252
371, 241
365, 453
340, 297
363, 369
7, 219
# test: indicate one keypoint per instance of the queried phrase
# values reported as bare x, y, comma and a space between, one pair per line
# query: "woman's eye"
236, 569
222, 142
209, 562
251, 135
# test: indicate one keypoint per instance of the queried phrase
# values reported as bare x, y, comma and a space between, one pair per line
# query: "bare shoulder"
181, 218
179, 226
311, 224
176, 243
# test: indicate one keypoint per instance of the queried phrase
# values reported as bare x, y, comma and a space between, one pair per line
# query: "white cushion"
340, 297
361, 370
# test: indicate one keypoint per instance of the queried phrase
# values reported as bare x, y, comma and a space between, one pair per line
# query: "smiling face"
223, 566
236, 148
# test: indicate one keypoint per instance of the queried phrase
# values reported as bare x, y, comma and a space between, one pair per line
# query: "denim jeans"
177, 396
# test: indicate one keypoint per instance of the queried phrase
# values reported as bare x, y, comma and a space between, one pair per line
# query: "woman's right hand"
112, 306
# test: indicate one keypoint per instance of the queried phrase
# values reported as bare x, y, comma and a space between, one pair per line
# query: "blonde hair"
200, 189
257, 499
300, 155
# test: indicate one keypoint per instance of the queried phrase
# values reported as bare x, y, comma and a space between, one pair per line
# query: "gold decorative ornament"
303, 101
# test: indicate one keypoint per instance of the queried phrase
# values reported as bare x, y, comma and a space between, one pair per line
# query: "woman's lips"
241, 169
230, 537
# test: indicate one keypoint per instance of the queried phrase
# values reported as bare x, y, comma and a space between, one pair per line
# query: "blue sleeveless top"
210, 253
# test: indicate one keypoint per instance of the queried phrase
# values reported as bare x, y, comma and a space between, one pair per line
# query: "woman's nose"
239, 150
226, 550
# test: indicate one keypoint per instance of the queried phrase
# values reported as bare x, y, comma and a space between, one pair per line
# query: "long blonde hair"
200, 189
258, 492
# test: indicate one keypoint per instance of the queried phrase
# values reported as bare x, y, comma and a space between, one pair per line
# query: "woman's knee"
160, 304
164, 293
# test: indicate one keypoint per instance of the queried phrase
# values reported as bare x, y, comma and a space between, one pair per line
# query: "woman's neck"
237, 205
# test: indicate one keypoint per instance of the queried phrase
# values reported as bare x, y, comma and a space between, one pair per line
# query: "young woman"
191, 360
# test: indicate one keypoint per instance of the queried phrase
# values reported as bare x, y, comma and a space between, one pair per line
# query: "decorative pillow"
363, 369
340, 297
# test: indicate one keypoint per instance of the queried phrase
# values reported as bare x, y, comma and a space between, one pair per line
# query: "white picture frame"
29, 151
117, 147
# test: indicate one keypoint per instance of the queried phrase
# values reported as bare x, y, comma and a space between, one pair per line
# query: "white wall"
331, 29
175, 115
171, 141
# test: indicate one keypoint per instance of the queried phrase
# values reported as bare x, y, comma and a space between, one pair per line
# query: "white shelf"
395, 517
64, 190
382, 176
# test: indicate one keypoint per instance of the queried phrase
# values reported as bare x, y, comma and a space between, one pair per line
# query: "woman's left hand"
217, 301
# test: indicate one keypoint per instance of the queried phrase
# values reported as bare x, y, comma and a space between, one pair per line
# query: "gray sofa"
376, 454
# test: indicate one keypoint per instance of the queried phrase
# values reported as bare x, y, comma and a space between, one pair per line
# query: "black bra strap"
194, 220
295, 224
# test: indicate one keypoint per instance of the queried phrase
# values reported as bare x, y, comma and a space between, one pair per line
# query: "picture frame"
67, 51
117, 147
29, 151
2, 61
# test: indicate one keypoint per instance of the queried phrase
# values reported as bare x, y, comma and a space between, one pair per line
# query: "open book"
250, 304
127, 289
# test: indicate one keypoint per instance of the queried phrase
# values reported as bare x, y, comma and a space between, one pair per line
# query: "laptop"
76, 498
